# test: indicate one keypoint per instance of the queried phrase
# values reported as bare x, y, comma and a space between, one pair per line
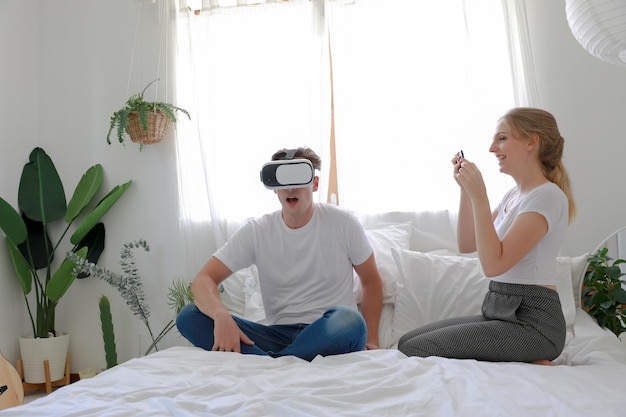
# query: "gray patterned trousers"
519, 323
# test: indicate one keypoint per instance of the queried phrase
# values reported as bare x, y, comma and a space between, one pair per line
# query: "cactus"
108, 334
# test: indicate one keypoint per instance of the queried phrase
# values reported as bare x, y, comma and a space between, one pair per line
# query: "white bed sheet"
184, 381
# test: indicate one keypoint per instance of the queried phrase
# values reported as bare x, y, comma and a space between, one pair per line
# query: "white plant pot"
34, 351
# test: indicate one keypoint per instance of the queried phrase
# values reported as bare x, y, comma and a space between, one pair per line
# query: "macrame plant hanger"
157, 122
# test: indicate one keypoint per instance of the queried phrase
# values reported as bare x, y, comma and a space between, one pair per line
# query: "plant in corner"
179, 294
603, 296
145, 122
30, 238
130, 287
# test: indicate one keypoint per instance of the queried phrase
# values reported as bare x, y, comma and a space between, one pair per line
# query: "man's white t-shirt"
305, 271
538, 267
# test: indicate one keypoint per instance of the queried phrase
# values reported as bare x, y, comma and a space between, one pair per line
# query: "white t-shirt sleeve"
548, 202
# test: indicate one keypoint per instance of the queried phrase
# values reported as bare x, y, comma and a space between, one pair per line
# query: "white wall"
86, 50
19, 114
69, 67
65, 69
588, 98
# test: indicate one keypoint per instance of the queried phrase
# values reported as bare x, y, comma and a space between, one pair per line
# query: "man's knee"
345, 314
343, 320
185, 318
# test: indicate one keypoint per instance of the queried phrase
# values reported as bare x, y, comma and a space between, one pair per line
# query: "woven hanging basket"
158, 123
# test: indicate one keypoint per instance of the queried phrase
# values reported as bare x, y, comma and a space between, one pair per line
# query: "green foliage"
41, 200
603, 296
178, 296
136, 103
108, 335
130, 287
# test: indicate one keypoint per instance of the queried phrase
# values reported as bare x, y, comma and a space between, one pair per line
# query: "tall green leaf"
41, 195
22, 269
63, 278
87, 187
100, 210
11, 223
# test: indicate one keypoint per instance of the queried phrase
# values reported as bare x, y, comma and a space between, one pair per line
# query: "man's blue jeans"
340, 330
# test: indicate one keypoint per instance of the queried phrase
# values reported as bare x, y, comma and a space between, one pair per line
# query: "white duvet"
182, 381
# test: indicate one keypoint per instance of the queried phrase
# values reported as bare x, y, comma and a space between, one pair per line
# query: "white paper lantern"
600, 27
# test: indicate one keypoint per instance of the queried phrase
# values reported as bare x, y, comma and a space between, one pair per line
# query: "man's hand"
371, 346
228, 336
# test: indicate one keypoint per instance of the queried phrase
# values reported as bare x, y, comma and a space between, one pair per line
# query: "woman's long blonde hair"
527, 121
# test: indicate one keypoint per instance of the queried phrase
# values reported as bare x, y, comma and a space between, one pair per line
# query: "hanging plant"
145, 122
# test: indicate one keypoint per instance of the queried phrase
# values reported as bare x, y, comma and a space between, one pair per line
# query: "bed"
585, 380
186, 381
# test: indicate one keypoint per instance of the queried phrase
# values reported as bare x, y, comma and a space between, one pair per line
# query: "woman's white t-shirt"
305, 271
538, 267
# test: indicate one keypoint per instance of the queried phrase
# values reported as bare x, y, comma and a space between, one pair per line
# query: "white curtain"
413, 82
520, 52
251, 77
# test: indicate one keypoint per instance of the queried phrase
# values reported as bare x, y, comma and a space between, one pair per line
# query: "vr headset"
287, 173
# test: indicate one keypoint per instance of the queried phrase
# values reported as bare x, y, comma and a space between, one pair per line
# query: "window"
412, 83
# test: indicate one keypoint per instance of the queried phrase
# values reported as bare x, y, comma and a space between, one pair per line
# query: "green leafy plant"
31, 243
108, 334
603, 296
178, 296
120, 120
130, 287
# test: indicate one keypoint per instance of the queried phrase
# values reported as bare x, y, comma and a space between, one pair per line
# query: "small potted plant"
145, 122
603, 296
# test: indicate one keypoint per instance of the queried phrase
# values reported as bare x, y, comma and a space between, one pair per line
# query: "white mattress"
184, 381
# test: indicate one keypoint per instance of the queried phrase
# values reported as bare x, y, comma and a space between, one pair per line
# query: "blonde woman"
517, 245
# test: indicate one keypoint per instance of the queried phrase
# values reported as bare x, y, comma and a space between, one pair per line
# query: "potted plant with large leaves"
145, 122
603, 296
32, 245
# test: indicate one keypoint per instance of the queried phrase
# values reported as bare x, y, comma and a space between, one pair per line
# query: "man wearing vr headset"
305, 255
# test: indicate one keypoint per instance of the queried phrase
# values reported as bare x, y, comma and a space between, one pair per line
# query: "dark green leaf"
41, 195
613, 272
94, 241
11, 223
619, 295
37, 248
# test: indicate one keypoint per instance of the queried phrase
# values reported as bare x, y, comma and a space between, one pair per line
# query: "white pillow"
232, 294
433, 287
426, 242
383, 239
385, 340
564, 288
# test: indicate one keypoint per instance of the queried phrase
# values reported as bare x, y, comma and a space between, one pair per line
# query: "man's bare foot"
543, 362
